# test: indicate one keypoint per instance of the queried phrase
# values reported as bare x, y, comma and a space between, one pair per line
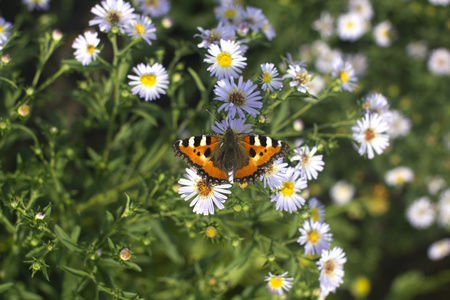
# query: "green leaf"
133, 266
169, 247
111, 245
198, 81
29, 295
6, 286
64, 238
76, 272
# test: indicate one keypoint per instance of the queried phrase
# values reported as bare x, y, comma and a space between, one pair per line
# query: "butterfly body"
220, 157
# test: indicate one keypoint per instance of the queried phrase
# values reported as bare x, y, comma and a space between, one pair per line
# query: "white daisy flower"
317, 210
226, 61
399, 125
324, 25
399, 176
331, 267
206, 195
154, 9
421, 213
254, 17
5, 31
268, 77
37, 4
444, 209
435, 184
439, 249
319, 47
309, 164
213, 36
439, 2
358, 62
275, 175
342, 192
278, 284
238, 97
376, 103
300, 78
143, 27
350, 26
417, 49
316, 86
268, 30
439, 61
370, 133
288, 198
86, 47
315, 236
384, 34
343, 70
323, 61
112, 13
237, 125
150, 81
362, 8
230, 14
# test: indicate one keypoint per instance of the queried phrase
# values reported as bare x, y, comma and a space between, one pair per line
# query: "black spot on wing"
263, 141
261, 154
208, 140
252, 140
207, 152
252, 152
185, 143
197, 140
274, 143
198, 154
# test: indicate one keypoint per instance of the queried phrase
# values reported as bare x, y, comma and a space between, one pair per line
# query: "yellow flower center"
399, 179
266, 77
224, 60
211, 232
276, 282
369, 134
90, 49
1, 29
386, 33
154, 3
23, 110
139, 29
113, 17
288, 188
203, 189
148, 80
214, 36
315, 214
344, 76
230, 13
303, 78
313, 237
329, 267
350, 25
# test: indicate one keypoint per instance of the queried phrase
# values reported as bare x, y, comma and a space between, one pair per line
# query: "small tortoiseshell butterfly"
243, 156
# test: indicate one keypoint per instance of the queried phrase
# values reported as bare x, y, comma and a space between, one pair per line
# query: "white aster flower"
154, 9
444, 209
421, 213
5, 31
112, 13
275, 175
399, 176
439, 249
343, 70
323, 61
439, 61
342, 192
439, 2
324, 25
376, 103
269, 31
358, 62
435, 184
309, 164
254, 18
316, 86
288, 198
331, 267
143, 27
384, 34
370, 133
268, 77
86, 47
362, 8
37, 4
206, 195
417, 49
238, 97
318, 48
226, 61
278, 284
150, 81
315, 236
213, 36
317, 210
237, 125
399, 125
300, 78
350, 26
231, 14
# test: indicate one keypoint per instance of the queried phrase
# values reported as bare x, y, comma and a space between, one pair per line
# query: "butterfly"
219, 157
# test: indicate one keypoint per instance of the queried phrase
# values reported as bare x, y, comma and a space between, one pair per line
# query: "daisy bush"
95, 205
